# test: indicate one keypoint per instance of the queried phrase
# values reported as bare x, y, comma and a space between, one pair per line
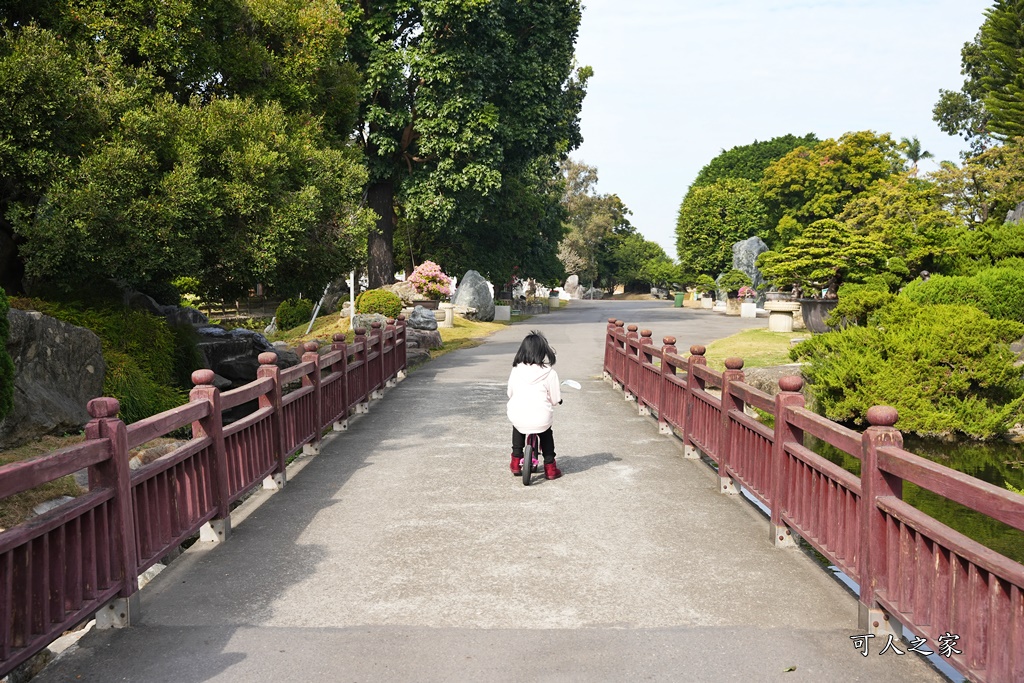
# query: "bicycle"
530, 452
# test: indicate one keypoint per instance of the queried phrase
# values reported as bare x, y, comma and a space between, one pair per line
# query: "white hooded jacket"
533, 393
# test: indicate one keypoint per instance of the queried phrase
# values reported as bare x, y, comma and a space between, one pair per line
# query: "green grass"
17, 508
758, 348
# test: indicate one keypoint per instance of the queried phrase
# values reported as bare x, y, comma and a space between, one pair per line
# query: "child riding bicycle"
533, 392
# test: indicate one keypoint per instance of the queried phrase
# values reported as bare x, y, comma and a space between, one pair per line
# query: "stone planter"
707, 302
447, 312
815, 311
429, 304
732, 306
748, 309
502, 312
780, 315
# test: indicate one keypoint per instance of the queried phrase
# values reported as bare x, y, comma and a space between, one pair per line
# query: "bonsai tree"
430, 281
826, 255
705, 284
732, 281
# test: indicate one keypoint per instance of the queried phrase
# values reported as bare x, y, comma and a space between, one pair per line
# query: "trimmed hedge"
293, 312
380, 301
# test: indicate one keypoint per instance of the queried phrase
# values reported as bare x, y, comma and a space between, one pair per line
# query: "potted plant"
431, 283
705, 284
731, 282
748, 301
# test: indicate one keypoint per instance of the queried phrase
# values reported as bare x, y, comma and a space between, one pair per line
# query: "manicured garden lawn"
758, 348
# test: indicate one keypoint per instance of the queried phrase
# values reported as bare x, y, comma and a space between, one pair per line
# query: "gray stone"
58, 368
271, 328
422, 319
51, 504
1016, 214
336, 291
572, 287
423, 339
365, 319
234, 354
474, 292
405, 291
744, 256
767, 379
416, 356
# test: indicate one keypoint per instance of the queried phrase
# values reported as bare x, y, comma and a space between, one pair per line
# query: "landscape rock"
234, 354
422, 339
58, 368
1016, 214
51, 504
405, 291
337, 291
744, 256
366, 319
416, 356
572, 287
474, 292
422, 319
767, 379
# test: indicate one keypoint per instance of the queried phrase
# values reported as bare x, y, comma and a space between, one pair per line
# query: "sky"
676, 82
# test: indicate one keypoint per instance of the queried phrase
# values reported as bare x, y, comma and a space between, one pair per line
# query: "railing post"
619, 366
733, 373
874, 483
114, 474
668, 345
313, 380
692, 383
377, 374
218, 529
363, 354
627, 379
646, 352
390, 331
341, 366
609, 351
789, 396
402, 360
272, 399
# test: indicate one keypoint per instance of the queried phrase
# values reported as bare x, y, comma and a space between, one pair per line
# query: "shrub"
293, 312
705, 283
380, 301
732, 281
139, 395
1005, 287
429, 280
945, 368
955, 289
857, 302
6, 364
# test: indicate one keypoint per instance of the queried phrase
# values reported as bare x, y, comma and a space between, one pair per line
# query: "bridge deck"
419, 557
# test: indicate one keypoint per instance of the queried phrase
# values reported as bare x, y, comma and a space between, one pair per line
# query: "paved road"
407, 551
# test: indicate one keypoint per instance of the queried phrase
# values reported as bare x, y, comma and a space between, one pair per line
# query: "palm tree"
911, 148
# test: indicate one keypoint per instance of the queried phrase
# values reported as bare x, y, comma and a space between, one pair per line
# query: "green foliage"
6, 364
827, 254
945, 368
962, 112
713, 217
857, 302
999, 292
811, 184
138, 393
380, 301
731, 282
1002, 74
748, 162
1006, 291
187, 356
706, 284
592, 220
293, 312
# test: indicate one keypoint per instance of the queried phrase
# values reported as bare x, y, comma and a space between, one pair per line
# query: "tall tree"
911, 149
713, 217
592, 221
459, 96
748, 162
1002, 49
962, 112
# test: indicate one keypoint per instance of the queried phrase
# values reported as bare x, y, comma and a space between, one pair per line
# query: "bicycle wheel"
527, 462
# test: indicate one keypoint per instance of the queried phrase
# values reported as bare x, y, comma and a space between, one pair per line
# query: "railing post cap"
646, 333
267, 358
311, 346
102, 407
202, 377
401, 316
338, 337
619, 323
375, 324
697, 350
668, 341
734, 363
360, 331
791, 383
611, 321
631, 327
882, 416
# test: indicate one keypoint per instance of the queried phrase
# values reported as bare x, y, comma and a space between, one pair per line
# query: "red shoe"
516, 466
551, 471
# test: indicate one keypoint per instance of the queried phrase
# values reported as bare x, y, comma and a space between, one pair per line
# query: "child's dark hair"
535, 350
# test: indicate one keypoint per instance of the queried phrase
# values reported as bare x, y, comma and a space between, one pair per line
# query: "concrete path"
406, 551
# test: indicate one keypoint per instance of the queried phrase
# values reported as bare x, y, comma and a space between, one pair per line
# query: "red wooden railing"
912, 570
59, 568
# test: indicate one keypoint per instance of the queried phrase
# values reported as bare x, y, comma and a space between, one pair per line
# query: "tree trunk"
380, 248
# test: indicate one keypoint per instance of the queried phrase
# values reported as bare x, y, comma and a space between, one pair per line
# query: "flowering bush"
747, 292
429, 280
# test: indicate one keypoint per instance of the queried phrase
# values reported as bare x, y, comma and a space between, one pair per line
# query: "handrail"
100, 541
911, 568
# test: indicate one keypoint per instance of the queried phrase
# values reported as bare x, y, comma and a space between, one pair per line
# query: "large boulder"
337, 291
475, 292
423, 339
744, 256
572, 287
58, 368
1016, 214
422, 319
234, 354
405, 291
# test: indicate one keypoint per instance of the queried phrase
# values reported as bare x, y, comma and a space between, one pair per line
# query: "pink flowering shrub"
429, 280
